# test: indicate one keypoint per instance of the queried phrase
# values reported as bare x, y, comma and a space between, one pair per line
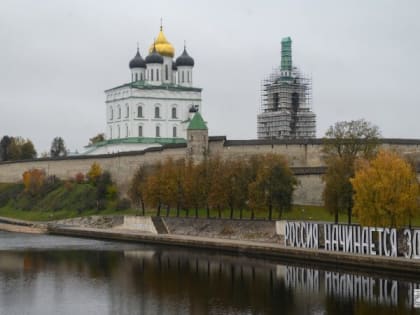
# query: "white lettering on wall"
351, 239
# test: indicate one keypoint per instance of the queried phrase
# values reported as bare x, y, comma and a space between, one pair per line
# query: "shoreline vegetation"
65, 201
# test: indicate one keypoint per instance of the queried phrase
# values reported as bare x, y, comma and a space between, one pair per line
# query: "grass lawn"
37, 215
308, 213
304, 213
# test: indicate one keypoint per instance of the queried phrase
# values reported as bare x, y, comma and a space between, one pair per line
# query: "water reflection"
134, 279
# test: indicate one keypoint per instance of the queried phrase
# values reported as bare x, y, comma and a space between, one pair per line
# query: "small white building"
155, 107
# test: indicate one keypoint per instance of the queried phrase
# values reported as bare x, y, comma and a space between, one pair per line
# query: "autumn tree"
237, 185
386, 191
273, 187
58, 148
94, 172
33, 180
154, 188
219, 184
342, 145
138, 186
28, 150
4, 148
338, 191
190, 188
98, 138
79, 178
180, 187
16, 148
169, 184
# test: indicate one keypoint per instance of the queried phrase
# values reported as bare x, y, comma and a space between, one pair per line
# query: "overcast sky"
58, 57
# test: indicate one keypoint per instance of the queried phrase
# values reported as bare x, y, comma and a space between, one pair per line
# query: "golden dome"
162, 45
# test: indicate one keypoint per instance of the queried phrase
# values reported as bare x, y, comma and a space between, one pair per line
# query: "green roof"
286, 54
164, 86
197, 123
144, 140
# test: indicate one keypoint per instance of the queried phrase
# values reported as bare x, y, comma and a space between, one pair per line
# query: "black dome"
154, 57
137, 61
185, 59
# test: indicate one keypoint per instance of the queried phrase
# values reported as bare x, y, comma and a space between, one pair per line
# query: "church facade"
156, 106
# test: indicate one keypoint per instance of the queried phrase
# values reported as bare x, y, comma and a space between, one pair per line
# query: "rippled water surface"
59, 275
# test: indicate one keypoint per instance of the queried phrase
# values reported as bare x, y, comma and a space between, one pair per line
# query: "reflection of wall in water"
352, 287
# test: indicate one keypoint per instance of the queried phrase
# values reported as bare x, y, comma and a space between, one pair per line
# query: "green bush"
9, 192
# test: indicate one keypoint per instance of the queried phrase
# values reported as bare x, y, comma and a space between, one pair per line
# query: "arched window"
157, 112
151, 72
139, 111
166, 73
188, 76
174, 112
136, 76
119, 112
157, 131
126, 131
118, 131
111, 113
182, 79
141, 76
110, 132
174, 132
140, 131
127, 111
157, 74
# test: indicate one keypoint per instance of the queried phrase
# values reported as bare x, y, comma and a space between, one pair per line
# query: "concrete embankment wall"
254, 238
255, 230
258, 249
20, 226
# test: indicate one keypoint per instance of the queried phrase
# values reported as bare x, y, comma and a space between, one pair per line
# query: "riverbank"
259, 249
254, 239
21, 226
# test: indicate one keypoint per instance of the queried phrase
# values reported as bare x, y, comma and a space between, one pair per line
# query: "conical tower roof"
197, 123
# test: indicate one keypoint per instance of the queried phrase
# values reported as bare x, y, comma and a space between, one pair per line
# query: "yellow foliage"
112, 192
386, 191
33, 180
94, 173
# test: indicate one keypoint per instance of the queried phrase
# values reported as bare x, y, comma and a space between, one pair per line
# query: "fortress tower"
285, 111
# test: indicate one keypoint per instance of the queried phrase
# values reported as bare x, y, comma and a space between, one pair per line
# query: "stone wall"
121, 166
302, 155
309, 190
255, 230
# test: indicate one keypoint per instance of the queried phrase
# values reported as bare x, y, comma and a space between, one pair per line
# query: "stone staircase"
160, 225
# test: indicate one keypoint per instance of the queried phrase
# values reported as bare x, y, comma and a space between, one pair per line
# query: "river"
41, 274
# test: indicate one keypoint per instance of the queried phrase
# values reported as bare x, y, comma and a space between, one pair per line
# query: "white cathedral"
156, 107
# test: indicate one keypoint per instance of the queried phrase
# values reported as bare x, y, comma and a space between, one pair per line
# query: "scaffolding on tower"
286, 106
